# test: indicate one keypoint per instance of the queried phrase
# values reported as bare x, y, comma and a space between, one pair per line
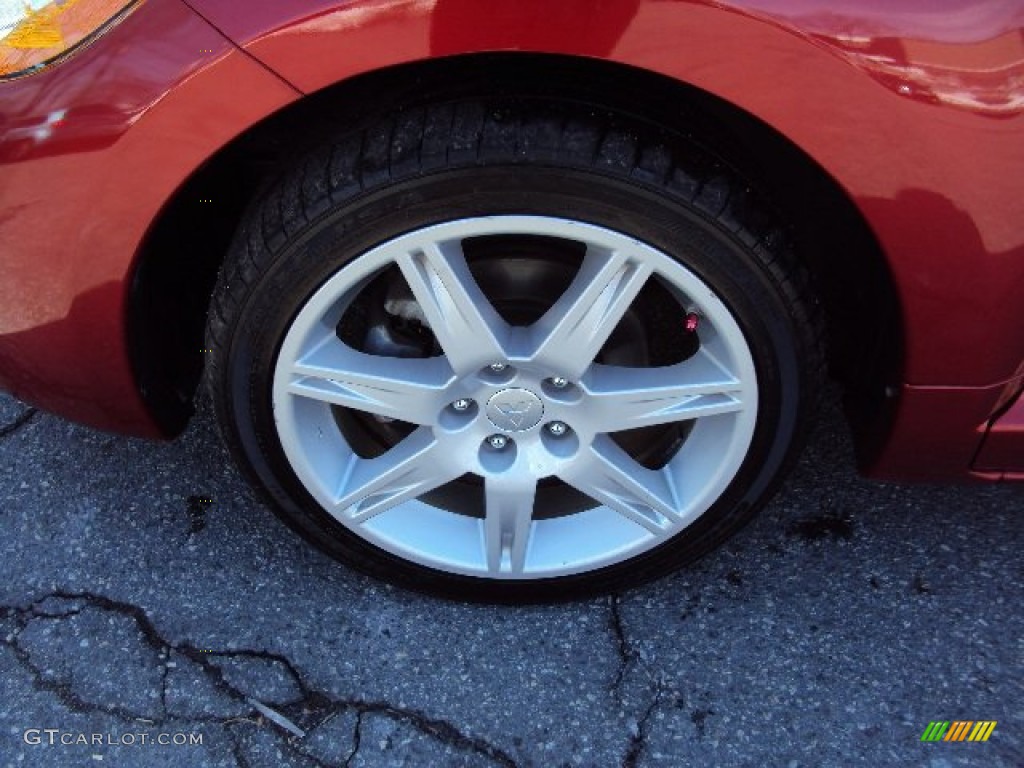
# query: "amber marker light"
34, 33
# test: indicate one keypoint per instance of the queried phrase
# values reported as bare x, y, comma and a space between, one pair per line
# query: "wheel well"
178, 262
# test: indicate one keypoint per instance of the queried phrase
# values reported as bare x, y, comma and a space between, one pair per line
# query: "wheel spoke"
404, 502
461, 317
397, 388
508, 521
610, 476
627, 398
572, 332
371, 486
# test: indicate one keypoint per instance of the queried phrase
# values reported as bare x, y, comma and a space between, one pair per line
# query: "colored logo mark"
959, 730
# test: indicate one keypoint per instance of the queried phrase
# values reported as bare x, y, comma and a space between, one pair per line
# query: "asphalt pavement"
154, 613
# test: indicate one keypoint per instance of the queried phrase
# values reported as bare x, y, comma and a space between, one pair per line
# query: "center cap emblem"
515, 410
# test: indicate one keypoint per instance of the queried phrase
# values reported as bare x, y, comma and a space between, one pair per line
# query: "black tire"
462, 159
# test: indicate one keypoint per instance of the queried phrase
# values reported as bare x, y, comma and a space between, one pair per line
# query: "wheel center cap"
515, 410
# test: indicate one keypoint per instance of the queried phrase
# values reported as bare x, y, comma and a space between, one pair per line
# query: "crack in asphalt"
237, 753
18, 423
638, 740
357, 737
441, 730
312, 708
62, 691
627, 656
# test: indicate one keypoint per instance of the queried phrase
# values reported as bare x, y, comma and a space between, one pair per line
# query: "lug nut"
462, 404
497, 442
498, 367
559, 383
557, 428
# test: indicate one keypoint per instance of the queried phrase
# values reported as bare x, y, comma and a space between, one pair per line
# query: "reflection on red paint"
967, 54
985, 77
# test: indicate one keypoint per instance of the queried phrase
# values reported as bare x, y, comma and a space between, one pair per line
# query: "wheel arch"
177, 264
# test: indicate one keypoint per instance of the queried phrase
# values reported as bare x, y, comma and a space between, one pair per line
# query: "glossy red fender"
916, 112
90, 151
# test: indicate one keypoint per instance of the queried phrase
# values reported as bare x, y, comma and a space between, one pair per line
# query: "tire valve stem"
691, 322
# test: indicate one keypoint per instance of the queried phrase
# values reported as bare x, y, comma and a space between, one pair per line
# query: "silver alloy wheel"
496, 380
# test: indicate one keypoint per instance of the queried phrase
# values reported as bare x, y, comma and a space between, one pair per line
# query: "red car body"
914, 115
